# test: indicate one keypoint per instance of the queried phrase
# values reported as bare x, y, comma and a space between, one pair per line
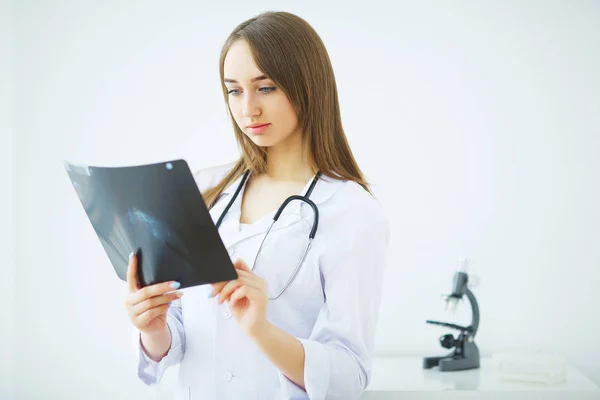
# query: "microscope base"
457, 361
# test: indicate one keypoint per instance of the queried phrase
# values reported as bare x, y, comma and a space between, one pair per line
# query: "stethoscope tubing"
304, 198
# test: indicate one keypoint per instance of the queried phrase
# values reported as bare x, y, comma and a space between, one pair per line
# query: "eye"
268, 89
233, 92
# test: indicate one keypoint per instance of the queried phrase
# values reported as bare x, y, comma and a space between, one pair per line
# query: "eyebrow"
258, 78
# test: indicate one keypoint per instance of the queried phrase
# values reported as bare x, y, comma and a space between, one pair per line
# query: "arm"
156, 346
149, 370
336, 358
283, 350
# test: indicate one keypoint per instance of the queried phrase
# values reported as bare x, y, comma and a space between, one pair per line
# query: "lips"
258, 129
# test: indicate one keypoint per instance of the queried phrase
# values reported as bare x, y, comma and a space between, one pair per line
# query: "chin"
262, 140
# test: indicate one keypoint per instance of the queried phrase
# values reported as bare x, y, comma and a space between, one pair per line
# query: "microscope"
466, 354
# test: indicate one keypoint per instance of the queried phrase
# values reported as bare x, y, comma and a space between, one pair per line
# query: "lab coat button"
228, 376
227, 314
231, 252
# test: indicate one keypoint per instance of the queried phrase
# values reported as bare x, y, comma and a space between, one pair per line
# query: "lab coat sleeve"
338, 352
149, 371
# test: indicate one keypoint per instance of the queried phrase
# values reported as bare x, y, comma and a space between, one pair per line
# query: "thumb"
241, 264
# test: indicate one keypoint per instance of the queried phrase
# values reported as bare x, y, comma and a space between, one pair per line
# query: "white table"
405, 378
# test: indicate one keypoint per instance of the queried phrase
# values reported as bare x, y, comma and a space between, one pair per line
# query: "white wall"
478, 123
7, 274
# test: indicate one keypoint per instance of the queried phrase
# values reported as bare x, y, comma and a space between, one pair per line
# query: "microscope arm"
472, 329
474, 310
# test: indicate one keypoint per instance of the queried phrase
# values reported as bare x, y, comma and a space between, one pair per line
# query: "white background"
477, 122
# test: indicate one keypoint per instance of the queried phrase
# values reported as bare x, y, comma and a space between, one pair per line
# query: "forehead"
239, 63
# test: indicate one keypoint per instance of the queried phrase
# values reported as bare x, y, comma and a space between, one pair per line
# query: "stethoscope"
305, 198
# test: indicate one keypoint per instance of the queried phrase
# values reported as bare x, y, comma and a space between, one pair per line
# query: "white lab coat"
331, 307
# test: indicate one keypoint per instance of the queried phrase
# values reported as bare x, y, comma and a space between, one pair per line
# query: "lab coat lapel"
223, 201
294, 212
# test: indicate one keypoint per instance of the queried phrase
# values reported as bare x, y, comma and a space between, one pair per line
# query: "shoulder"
353, 198
355, 211
209, 177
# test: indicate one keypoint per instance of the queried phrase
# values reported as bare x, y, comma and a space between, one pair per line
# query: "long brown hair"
291, 53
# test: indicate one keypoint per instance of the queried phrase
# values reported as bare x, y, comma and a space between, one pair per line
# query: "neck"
285, 161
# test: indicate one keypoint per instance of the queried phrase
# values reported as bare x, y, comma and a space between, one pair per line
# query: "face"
261, 109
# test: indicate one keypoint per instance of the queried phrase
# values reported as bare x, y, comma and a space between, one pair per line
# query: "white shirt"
331, 307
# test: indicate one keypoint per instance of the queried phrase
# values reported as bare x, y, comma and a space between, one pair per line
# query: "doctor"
300, 320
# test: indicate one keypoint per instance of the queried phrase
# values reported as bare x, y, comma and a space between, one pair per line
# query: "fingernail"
179, 293
210, 294
130, 256
170, 302
175, 285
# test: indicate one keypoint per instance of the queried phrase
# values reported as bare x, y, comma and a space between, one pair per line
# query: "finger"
147, 316
249, 287
132, 278
252, 279
239, 294
248, 275
155, 301
152, 291
228, 289
241, 265
217, 287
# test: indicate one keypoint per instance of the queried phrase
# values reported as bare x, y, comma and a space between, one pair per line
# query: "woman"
260, 336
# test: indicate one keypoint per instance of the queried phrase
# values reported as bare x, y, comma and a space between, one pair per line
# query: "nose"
250, 106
